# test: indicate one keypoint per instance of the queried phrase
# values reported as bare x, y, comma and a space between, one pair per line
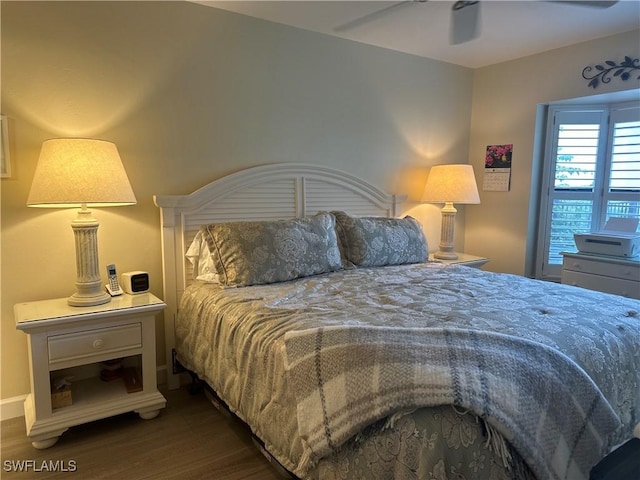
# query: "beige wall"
506, 98
189, 94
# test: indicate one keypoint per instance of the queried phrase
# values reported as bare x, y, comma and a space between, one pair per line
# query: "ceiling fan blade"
370, 17
588, 3
465, 22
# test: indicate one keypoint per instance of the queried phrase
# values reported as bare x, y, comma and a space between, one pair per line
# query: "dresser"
618, 275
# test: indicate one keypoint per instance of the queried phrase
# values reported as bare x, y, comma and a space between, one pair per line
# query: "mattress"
234, 339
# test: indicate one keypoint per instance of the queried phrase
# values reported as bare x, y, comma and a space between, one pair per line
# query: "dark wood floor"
190, 439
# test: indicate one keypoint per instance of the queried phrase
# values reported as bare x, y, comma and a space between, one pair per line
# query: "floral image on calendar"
497, 168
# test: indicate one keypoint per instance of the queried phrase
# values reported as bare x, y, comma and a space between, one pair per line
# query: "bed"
319, 322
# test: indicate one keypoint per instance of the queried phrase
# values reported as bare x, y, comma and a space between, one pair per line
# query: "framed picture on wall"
5, 158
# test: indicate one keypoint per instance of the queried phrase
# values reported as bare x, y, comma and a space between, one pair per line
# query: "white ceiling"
509, 29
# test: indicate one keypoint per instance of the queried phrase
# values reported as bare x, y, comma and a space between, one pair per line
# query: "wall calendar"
497, 168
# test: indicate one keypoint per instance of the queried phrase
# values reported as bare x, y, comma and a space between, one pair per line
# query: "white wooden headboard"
267, 192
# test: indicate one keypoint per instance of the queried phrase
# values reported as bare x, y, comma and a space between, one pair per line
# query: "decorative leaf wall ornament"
604, 73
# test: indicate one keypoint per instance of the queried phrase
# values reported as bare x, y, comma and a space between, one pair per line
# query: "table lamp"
76, 172
450, 184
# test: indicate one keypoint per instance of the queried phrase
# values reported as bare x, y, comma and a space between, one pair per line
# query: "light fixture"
450, 184
76, 172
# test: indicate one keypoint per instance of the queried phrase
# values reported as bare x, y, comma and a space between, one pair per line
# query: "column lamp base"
87, 300
446, 255
89, 289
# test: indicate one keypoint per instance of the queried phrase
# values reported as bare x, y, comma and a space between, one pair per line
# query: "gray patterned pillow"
252, 253
379, 241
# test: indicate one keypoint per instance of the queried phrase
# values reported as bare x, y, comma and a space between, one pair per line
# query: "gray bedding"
234, 339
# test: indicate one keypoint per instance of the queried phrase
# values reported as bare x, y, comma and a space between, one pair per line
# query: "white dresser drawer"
599, 267
71, 346
626, 288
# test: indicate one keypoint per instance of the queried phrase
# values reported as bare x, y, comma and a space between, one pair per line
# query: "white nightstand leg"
40, 380
48, 435
42, 444
148, 414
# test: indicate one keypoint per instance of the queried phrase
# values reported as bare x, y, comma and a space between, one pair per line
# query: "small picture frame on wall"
5, 158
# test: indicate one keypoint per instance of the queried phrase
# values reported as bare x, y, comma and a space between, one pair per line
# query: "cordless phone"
113, 287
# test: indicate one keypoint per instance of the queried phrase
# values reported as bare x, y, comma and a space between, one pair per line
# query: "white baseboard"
14, 407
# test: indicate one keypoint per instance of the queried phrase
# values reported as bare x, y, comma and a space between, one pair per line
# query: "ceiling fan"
465, 16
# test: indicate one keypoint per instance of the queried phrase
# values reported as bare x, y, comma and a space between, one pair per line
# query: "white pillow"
200, 257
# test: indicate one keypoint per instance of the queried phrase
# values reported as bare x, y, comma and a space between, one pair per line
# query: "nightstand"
72, 343
463, 259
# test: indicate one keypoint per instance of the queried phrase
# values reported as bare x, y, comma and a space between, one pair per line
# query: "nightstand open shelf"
88, 388
73, 341
91, 392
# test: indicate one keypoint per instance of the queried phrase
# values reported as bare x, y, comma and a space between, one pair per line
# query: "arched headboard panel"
267, 192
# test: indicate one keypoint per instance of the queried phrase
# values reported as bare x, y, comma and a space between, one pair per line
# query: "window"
591, 174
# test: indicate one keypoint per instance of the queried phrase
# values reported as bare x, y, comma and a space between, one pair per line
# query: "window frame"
605, 116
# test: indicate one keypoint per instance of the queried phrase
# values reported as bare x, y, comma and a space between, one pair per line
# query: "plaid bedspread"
543, 403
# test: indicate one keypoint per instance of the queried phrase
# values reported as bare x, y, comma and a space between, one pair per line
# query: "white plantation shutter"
592, 173
622, 196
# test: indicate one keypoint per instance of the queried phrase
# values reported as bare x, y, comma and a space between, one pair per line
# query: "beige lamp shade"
451, 183
75, 171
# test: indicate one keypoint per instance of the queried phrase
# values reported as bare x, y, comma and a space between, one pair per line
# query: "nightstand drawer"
71, 346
